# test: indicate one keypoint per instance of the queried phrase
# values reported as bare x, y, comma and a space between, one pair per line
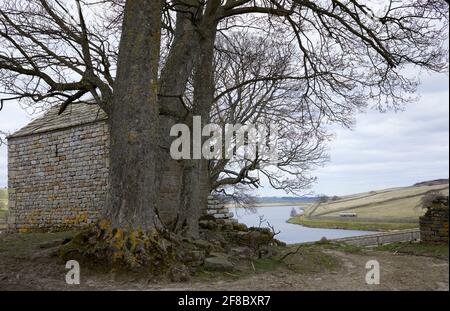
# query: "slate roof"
76, 114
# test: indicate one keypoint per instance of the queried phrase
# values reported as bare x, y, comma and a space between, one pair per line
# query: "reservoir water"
277, 216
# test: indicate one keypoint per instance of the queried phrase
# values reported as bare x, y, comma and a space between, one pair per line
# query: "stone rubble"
434, 224
219, 211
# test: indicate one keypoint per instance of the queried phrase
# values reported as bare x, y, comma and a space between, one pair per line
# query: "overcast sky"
390, 149
383, 150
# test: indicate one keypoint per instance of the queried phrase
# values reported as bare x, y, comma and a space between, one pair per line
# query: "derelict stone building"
58, 169
58, 173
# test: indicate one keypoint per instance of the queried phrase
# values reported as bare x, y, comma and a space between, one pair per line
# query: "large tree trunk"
133, 194
174, 77
195, 183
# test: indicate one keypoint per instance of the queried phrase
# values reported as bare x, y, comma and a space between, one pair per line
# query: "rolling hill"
394, 208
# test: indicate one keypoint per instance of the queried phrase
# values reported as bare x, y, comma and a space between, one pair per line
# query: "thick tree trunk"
133, 194
195, 184
174, 77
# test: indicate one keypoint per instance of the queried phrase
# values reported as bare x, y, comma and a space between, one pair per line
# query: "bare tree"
341, 57
49, 55
257, 84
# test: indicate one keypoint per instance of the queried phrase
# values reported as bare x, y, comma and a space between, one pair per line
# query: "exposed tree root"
160, 253
154, 252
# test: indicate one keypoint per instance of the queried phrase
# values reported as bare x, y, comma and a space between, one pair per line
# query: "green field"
3, 203
351, 225
388, 209
3, 194
417, 249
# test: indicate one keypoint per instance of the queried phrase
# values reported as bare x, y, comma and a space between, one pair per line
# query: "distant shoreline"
352, 225
259, 205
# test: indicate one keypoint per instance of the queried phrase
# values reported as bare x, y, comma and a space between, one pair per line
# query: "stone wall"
378, 239
58, 171
434, 224
217, 215
58, 179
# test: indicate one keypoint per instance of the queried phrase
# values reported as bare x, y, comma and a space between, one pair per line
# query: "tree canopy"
299, 63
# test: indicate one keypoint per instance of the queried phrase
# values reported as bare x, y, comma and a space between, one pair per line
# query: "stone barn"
58, 170
58, 173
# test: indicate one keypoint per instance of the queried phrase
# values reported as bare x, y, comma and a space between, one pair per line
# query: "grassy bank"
417, 249
271, 204
351, 225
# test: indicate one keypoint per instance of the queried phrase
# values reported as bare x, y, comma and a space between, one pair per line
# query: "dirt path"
397, 273
42, 271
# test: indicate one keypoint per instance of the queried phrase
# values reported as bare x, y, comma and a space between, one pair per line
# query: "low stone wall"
219, 211
434, 224
382, 238
218, 214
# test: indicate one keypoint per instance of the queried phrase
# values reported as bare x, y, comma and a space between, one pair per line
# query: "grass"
3, 207
382, 210
304, 259
343, 247
260, 205
311, 260
351, 225
418, 249
3, 194
389, 203
3, 201
23, 244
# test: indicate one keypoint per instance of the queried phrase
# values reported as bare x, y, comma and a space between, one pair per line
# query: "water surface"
277, 216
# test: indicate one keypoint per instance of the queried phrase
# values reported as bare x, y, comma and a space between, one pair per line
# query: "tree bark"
173, 80
195, 183
133, 194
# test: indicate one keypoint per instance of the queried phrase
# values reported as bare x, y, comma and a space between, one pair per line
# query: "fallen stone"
202, 244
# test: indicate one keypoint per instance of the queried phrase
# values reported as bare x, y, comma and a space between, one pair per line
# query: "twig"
399, 248
290, 253
233, 275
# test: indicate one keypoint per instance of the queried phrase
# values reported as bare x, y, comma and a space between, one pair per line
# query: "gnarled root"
163, 253
154, 252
